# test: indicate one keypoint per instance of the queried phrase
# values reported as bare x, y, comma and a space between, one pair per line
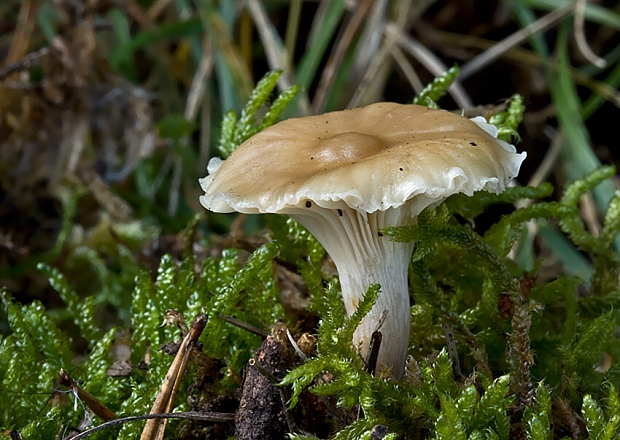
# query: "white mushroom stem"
364, 257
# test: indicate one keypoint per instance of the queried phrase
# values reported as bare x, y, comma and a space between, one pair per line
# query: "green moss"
437, 88
521, 344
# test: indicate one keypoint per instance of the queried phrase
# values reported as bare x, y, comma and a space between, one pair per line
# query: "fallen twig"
155, 428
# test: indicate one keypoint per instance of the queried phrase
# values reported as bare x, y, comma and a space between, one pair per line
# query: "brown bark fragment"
261, 412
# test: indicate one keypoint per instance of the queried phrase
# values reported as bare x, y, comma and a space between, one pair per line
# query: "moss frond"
435, 90
235, 132
537, 417
508, 121
471, 207
611, 224
81, 310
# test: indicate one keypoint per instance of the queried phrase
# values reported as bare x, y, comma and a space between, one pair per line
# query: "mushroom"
348, 174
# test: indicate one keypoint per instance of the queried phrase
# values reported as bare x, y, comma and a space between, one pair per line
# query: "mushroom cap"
371, 159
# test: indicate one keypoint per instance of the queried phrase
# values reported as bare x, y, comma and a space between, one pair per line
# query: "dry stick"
493, 53
274, 50
91, 402
375, 345
30, 60
580, 36
190, 415
155, 428
245, 326
335, 60
428, 60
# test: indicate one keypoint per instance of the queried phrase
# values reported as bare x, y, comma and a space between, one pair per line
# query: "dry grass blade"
195, 98
498, 49
245, 326
580, 36
520, 56
590, 214
275, 51
115, 206
428, 60
371, 72
222, 40
205, 136
28, 61
157, 8
91, 402
407, 70
190, 415
292, 27
335, 60
551, 157
370, 40
142, 17
20, 43
155, 428
199, 82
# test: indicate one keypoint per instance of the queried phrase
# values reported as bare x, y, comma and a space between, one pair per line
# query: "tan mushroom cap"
371, 158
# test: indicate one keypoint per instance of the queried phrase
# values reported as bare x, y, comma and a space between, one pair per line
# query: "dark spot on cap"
308, 204
401, 169
473, 144
312, 158
340, 212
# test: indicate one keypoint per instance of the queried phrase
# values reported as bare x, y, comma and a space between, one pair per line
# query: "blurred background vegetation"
110, 111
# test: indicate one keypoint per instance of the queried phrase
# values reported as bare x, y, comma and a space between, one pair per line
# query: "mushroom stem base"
391, 312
